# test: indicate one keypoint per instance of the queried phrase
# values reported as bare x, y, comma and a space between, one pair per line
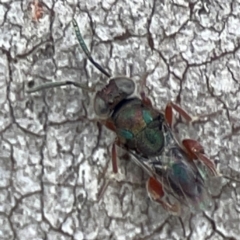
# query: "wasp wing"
181, 178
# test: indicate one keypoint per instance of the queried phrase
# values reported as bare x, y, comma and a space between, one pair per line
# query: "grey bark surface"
54, 158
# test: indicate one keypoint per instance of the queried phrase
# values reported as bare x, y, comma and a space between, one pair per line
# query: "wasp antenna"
85, 49
58, 84
80, 38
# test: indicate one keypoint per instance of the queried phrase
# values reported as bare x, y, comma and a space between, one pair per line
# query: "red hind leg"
156, 193
196, 151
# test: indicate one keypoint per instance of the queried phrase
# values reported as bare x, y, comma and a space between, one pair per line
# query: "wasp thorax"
118, 89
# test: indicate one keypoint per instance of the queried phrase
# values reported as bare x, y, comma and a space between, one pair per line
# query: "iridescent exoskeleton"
177, 171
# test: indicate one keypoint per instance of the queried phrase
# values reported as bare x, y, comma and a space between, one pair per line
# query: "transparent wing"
181, 178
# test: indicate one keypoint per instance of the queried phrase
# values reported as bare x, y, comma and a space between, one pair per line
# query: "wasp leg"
110, 125
114, 168
196, 151
145, 99
143, 84
114, 155
156, 192
190, 119
169, 114
114, 159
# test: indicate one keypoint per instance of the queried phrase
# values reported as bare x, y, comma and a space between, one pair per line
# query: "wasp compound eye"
101, 107
125, 85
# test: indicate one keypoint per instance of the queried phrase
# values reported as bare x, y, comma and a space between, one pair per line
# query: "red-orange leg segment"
110, 125
196, 151
156, 192
145, 99
169, 114
114, 159
181, 112
188, 117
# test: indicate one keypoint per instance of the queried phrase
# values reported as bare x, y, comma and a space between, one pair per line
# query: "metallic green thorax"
139, 127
